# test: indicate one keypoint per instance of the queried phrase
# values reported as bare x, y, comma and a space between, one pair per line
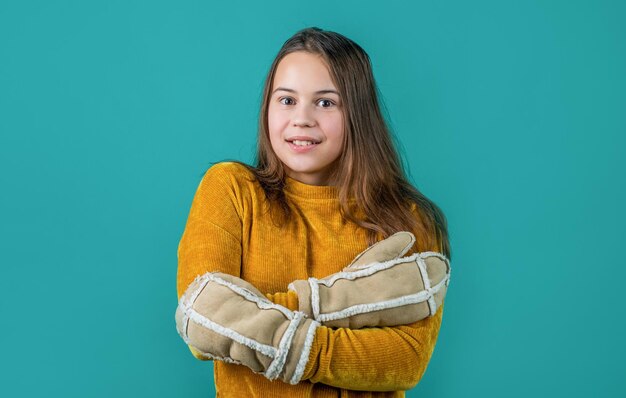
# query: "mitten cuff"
303, 290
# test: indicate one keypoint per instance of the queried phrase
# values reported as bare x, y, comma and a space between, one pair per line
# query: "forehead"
303, 72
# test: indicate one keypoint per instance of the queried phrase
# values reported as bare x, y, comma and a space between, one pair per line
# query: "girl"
327, 184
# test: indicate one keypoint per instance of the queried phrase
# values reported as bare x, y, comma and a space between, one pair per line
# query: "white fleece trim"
183, 333
432, 254
264, 349
277, 365
387, 263
304, 357
408, 246
315, 296
187, 303
442, 257
421, 265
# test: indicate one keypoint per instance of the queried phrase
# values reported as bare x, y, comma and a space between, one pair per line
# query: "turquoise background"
511, 116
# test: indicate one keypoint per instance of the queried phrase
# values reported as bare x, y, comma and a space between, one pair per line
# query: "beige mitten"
226, 318
379, 287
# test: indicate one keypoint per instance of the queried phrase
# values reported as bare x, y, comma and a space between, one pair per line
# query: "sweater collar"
300, 189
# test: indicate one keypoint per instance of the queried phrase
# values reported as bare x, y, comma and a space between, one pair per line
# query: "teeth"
302, 143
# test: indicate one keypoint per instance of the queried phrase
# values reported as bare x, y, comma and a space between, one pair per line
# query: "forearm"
373, 359
369, 359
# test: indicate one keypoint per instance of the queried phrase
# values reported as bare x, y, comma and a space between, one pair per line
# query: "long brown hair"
369, 169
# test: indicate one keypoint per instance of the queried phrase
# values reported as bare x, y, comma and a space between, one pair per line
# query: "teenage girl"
326, 185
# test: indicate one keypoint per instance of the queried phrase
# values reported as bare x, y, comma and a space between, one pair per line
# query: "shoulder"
227, 173
231, 181
228, 168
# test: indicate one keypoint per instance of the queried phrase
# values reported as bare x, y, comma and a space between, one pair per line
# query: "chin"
304, 169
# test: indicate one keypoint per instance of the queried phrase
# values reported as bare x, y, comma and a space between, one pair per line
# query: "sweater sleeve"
287, 299
213, 223
376, 358
369, 359
373, 359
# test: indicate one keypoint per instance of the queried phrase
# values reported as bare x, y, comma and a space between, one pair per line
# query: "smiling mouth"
303, 143
301, 148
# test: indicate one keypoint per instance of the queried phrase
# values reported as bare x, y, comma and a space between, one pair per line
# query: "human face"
305, 103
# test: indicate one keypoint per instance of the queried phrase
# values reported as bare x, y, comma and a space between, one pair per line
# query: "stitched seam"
304, 357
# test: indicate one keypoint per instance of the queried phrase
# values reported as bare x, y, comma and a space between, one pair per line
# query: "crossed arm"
355, 359
361, 359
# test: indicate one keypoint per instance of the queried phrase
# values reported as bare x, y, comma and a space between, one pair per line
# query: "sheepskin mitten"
226, 318
379, 287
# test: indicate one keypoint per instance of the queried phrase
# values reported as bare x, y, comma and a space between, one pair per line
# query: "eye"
328, 101
285, 98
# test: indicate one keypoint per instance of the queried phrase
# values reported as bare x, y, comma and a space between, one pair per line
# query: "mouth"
302, 146
303, 143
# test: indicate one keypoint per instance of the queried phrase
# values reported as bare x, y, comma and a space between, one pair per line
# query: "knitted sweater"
229, 230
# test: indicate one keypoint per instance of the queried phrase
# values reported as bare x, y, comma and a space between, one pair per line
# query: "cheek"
275, 132
334, 127
274, 122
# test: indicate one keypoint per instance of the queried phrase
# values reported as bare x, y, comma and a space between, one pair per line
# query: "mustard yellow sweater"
228, 230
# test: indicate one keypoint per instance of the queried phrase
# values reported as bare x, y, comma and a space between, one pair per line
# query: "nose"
302, 117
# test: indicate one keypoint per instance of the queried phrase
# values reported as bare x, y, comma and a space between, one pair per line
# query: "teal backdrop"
510, 114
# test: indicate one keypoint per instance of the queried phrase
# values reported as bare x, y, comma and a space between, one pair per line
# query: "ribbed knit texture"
229, 230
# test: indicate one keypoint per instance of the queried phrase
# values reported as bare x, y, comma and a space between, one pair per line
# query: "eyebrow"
295, 92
